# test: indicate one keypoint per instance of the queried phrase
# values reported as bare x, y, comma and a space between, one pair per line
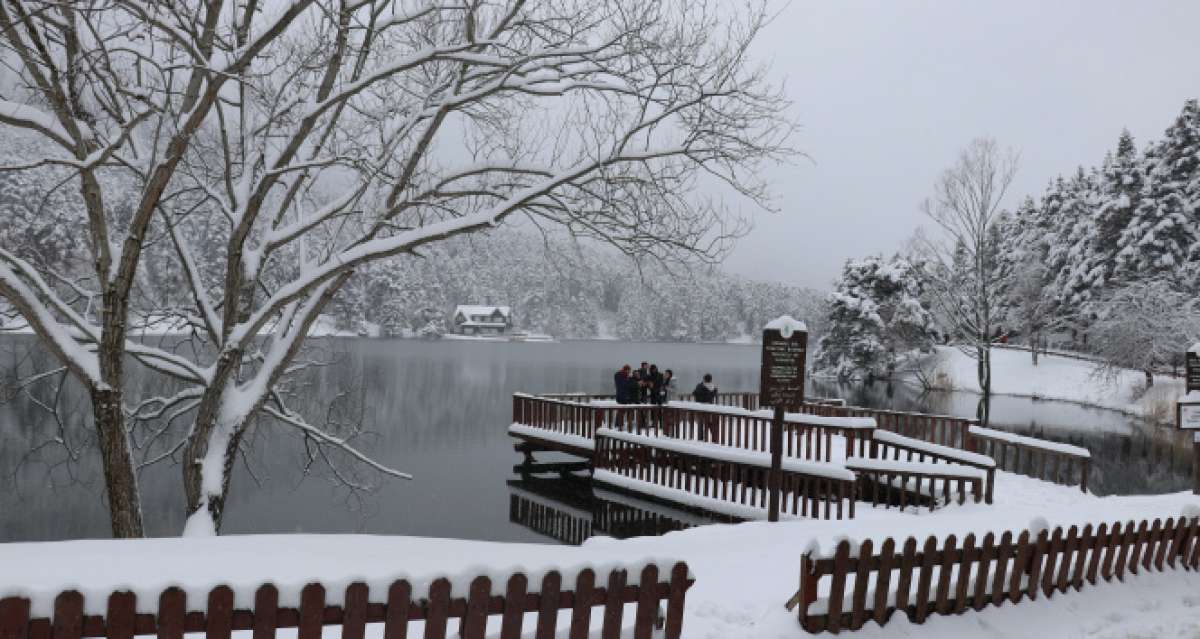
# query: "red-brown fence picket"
395, 609
944, 578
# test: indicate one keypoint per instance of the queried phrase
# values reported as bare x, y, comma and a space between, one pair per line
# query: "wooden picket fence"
217, 618
948, 579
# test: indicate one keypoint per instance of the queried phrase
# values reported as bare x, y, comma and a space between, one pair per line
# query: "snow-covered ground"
1059, 378
744, 572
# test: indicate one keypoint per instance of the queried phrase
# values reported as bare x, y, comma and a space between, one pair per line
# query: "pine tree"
1162, 230
1122, 181
1081, 265
875, 315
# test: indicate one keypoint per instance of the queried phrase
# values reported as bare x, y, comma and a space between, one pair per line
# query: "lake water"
439, 411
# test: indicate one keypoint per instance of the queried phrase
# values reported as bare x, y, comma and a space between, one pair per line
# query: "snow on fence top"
888, 437
856, 423
146, 567
578, 441
725, 453
1031, 442
553, 400
786, 324
923, 468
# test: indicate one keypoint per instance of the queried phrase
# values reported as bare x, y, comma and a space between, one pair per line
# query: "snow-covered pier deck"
715, 457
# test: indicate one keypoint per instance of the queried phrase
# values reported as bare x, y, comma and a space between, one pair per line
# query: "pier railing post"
773, 479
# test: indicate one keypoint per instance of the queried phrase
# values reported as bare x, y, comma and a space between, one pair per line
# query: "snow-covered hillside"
1056, 377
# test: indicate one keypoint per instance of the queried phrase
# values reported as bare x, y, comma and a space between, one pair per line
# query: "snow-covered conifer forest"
1105, 263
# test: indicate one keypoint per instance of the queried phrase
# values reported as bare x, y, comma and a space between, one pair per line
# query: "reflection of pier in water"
570, 510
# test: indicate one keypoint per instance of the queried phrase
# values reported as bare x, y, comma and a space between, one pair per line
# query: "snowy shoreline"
1058, 379
744, 572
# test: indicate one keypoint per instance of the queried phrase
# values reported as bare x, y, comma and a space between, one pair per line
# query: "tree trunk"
208, 415
120, 480
108, 412
1149, 378
984, 353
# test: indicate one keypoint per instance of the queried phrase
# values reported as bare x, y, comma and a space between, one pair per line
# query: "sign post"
1187, 410
781, 386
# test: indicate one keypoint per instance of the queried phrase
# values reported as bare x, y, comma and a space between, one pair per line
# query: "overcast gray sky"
888, 92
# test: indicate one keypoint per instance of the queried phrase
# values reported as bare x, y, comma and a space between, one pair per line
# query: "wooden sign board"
1192, 371
1187, 415
782, 381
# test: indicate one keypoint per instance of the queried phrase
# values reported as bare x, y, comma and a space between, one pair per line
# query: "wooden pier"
680, 453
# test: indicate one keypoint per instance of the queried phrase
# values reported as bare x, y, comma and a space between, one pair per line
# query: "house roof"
474, 309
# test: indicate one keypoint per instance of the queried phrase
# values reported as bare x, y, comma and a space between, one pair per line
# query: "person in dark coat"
642, 377
624, 384
705, 392
656, 386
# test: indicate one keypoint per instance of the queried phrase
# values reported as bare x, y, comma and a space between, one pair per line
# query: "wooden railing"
741, 429
732, 483
946, 579
395, 608
555, 415
943, 430
720, 424
581, 398
1037, 458
888, 445
748, 401
920, 480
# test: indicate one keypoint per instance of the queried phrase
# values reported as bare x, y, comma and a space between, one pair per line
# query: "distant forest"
559, 287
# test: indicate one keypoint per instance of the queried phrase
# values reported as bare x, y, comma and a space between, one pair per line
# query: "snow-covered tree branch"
231, 166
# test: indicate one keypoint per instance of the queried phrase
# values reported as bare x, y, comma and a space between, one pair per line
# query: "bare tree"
966, 278
270, 149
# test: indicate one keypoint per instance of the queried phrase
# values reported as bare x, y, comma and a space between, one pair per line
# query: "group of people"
648, 385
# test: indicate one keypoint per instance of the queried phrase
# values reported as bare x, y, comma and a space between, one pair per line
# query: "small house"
472, 319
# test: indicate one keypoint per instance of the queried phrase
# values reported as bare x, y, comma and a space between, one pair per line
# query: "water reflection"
570, 509
436, 409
